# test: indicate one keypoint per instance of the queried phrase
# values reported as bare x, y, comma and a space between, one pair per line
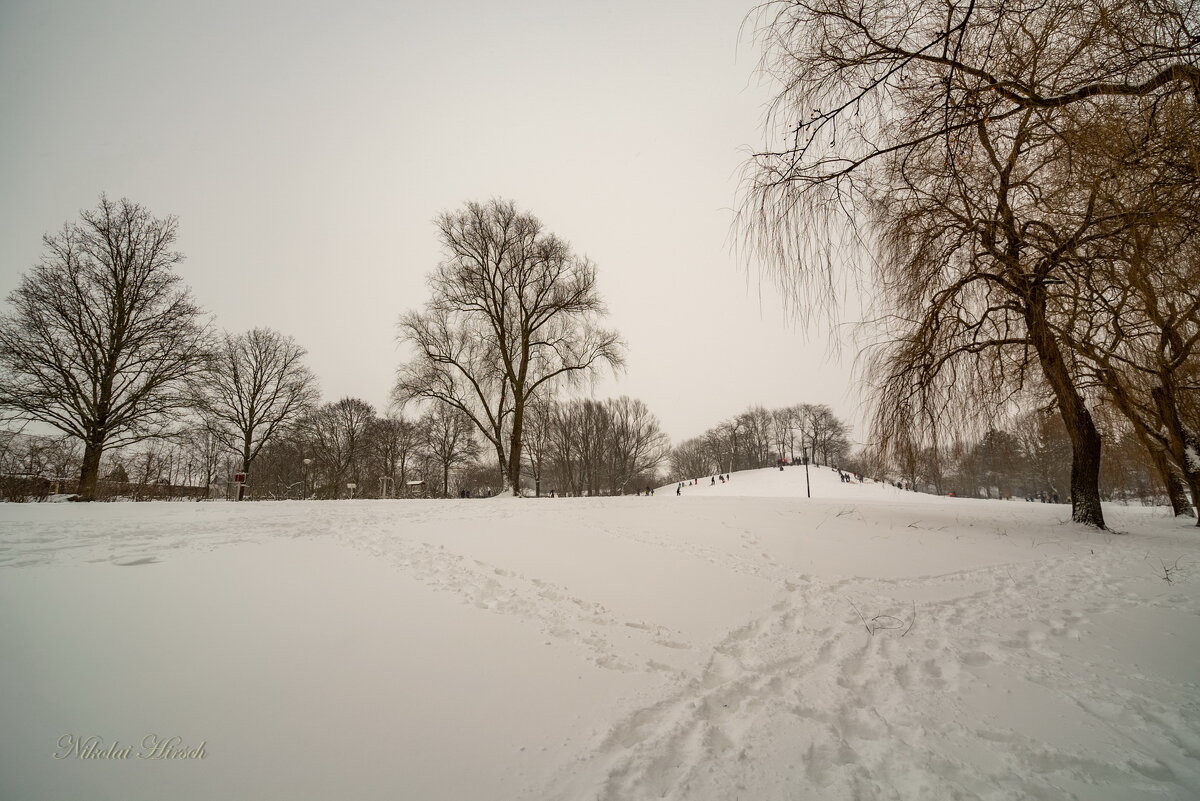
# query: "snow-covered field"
738, 642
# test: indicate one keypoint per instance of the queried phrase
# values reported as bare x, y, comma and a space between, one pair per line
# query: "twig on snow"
884, 622
863, 619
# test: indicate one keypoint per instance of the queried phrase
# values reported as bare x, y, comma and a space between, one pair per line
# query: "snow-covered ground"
737, 642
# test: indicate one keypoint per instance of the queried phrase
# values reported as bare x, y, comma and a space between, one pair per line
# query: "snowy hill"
822, 481
867, 643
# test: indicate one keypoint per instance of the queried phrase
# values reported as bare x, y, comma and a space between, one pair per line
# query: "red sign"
239, 478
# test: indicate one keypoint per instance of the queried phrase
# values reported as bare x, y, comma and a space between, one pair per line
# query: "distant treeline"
1030, 459
759, 437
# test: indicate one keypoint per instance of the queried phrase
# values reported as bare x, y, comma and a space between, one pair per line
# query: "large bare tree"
513, 313
927, 131
256, 383
103, 333
977, 247
1134, 315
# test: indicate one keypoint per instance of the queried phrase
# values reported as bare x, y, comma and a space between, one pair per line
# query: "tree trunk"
514, 452
1194, 485
241, 488
1175, 486
1152, 441
502, 461
513, 475
1081, 428
1085, 468
1184, 442
89, 472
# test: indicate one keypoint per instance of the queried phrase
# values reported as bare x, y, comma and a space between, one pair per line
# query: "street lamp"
807, 485
307, 462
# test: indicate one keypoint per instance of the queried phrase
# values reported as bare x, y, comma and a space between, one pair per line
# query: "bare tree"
11, 449
691, 459
255, 384
978, 246
635, 445
449, 440
594, 447
725, 440
512, 313
61, 456
783, 436
394, 441
845, 68
577, 431
202, 453
825, 434
755, 422
102, 333
758, 436
941, 129
540, 416
1134, 315
339, 435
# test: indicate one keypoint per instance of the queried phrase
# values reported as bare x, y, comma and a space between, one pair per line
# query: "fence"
18, 488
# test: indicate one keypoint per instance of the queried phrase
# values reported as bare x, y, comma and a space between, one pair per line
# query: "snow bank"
737, 641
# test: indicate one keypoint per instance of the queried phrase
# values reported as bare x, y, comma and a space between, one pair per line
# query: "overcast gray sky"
307, 148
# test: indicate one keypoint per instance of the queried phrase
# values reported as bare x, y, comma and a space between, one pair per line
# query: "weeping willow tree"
930, 149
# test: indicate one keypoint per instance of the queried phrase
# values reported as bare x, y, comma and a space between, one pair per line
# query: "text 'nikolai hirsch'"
152, 747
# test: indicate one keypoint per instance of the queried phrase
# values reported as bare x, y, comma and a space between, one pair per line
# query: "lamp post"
807, 485
307, 462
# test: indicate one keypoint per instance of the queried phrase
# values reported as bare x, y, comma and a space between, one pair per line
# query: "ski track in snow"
803, 700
